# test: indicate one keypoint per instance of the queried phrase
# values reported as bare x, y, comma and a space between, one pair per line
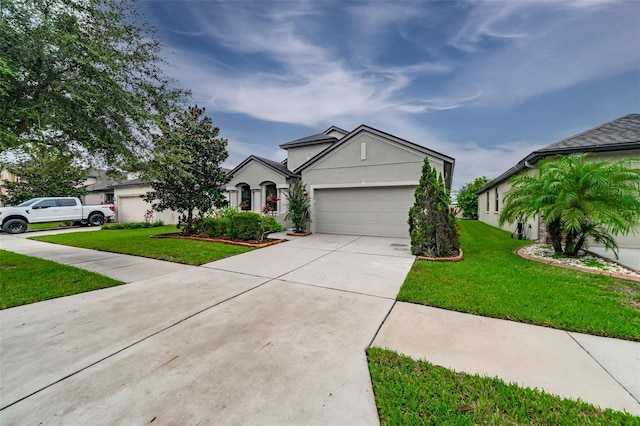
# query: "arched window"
245, 198
271, 197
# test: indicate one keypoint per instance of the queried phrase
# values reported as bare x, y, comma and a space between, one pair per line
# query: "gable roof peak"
276, 166
335, 129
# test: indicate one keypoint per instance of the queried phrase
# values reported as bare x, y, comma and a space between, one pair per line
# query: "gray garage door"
377, 211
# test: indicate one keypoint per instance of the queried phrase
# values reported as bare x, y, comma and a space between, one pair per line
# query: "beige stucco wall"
385, 162
94, 198
258, 176
492, 217
254, 174
298, 156
631, 240
129, 205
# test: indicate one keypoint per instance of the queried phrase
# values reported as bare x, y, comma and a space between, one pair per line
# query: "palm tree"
578, 199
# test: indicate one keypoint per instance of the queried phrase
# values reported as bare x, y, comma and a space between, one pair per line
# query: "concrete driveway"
273, 336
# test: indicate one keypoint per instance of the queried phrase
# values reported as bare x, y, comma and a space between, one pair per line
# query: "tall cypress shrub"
432, 225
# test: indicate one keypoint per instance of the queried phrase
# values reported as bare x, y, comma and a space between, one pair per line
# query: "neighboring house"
612, 141
360, 182
99, 187
6, 176
131, 206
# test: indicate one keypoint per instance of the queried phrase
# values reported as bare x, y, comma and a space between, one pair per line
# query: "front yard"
137, 242
493, 281
27, 279
410, 392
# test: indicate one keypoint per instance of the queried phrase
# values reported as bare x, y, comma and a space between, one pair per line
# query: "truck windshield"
28, 202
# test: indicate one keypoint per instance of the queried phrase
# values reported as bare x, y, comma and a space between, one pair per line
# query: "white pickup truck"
15, 219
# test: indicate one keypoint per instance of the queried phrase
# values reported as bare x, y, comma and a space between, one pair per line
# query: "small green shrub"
247, 226
232, 223
299, 204
131, 225
212, 227
269, 224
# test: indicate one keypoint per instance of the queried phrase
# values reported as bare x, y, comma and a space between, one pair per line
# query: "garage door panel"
378, 211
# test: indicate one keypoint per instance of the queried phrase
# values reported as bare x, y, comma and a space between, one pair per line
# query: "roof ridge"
593, 129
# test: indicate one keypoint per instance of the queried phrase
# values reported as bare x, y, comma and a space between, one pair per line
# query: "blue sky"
483, 82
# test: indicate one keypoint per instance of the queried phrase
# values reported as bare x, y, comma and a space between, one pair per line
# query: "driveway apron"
273, 336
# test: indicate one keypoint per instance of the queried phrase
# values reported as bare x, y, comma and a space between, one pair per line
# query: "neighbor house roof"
617, 135
276, 166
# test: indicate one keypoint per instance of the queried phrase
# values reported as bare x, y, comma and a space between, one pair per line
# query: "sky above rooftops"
483, 82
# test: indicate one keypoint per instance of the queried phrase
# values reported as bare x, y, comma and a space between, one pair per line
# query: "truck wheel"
14, 226
96, 219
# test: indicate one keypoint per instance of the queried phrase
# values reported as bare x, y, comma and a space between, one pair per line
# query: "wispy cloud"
518, 50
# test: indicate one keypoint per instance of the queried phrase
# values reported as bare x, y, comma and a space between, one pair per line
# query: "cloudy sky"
485, 82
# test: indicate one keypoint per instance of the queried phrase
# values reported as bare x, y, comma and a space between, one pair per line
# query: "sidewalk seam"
382, 323
602, 366
129, 346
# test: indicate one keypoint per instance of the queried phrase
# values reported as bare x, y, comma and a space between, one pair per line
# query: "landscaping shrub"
231, 223
132, 225
247, 226
269, 224
298, 211
212, 227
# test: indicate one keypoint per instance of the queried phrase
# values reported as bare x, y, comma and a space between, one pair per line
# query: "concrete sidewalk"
598, 370
272, 336
121, 267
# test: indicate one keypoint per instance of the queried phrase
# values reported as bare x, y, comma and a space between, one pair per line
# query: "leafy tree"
298, 211
45, 173
185, 172
578, 199
83, 71
432, 225
467, 198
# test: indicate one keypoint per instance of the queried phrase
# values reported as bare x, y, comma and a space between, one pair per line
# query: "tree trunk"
569, 245
555, 233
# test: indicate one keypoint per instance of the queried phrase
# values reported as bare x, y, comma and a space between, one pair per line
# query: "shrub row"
238, 225
131, 225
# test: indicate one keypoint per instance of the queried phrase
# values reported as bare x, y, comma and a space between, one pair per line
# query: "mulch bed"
298, 234
235, 242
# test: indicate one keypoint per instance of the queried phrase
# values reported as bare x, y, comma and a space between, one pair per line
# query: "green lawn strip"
493, 281
410, 392
47, 225
137, 242
28, 279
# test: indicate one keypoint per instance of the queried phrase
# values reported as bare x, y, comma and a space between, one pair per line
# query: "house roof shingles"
309, 140
620, 134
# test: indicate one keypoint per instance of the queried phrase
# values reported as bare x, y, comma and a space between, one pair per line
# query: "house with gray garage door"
360, 182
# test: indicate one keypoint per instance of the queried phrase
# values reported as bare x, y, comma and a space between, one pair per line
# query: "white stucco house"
360, 182
611, 141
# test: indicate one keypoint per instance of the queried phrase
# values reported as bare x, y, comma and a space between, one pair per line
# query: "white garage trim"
376, 210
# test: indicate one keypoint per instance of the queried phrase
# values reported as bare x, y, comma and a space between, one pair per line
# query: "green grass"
138, 242
47, 225
28, 279
493, 281
410, 392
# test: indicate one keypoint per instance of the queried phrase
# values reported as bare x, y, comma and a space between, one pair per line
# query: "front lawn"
138, 242
47, 225
493, 281
27, 279
410, 392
